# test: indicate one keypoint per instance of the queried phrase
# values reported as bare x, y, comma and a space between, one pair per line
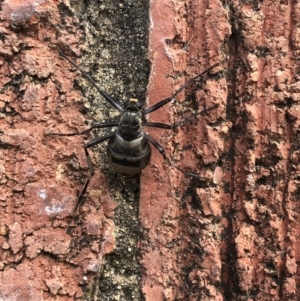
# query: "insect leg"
181, 121
165, 101
94, 126
156, 145
90, 165
162, 151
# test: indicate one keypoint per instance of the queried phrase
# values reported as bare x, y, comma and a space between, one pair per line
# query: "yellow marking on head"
133, 100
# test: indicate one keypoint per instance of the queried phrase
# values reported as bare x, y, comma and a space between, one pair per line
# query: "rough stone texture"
46, 254
182, 257
232, 233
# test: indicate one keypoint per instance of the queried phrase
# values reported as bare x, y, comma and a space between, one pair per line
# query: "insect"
128, 150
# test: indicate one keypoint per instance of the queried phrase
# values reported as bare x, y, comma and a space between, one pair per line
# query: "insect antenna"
107, 97
167, 100
176, 124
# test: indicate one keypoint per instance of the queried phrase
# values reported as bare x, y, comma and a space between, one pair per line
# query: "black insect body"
128, 149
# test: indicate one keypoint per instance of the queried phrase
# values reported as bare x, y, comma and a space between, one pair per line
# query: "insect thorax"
130, 125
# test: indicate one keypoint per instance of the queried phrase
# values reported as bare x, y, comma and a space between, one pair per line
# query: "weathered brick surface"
42, 255
232, 233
